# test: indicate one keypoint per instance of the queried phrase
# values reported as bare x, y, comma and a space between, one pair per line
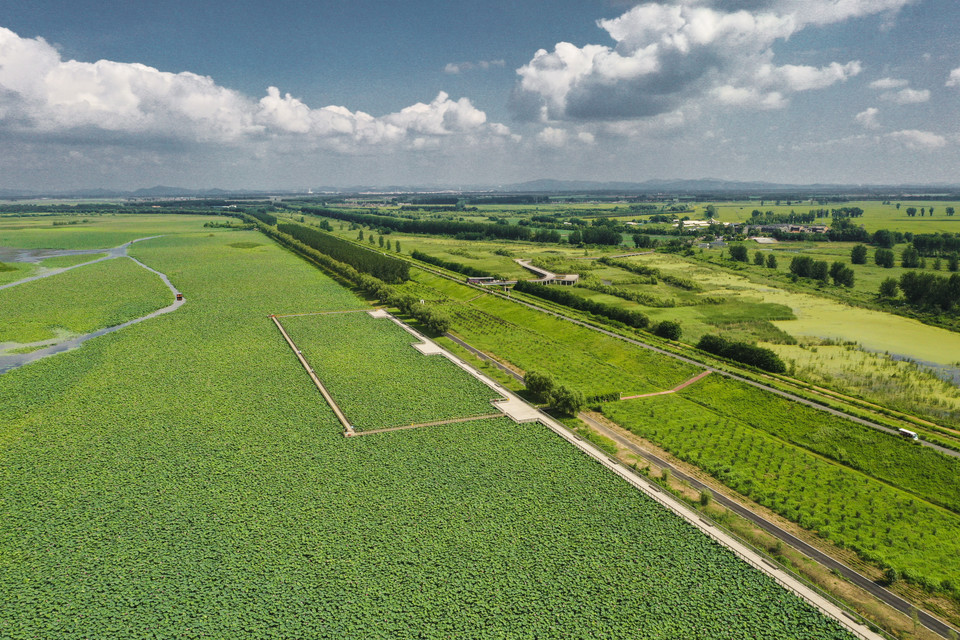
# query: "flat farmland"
80, 301
751, 456
379, 380
101, 231
178, 479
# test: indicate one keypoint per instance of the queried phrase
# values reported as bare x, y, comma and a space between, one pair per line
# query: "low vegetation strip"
645, 270
742, 352
577, 357
466, 230
560, 296
919, 470
872, 518
449, 265
376, 376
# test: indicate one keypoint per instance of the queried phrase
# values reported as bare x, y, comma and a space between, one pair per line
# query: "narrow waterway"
12, 361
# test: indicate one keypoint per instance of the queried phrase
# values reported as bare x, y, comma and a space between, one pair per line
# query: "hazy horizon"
243, 96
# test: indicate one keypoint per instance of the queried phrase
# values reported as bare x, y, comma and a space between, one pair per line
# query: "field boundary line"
509, 403
814, 553
323, 390
680, 387
695, 518
489, 416
319, 313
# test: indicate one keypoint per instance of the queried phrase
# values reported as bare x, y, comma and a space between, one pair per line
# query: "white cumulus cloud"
457, 67
553, 137
907, 96
868, 118
889, 83
918, 140
668, 55
42, 94
954, 79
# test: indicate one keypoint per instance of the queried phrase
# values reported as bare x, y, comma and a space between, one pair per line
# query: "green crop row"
920, 470
881, 523
376, 376
577, 357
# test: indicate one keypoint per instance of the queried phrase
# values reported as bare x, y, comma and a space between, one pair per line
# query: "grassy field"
742, 302
533, 341
867, 277
882, 524
58, 262
103, 231
13, 271
876, 215
80, 301
920, 470
821, 317
495, 257
899, 384
178, 479
376, 376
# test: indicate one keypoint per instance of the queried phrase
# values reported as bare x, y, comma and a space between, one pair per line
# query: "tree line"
449, 265
378, 265
923, 289
807, 267
434, 319
457, 228
743, 352
560, 296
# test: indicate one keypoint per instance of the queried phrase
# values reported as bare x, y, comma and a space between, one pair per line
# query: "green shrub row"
567, 299
263, 217
449, 265
742, 352
644, 270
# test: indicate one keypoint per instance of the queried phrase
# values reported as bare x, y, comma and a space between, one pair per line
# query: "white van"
910, 435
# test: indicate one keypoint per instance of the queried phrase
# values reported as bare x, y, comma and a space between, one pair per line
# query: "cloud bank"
691, 53
43, 96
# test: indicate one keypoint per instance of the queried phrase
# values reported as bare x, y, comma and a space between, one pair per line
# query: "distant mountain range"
703, 185
544, 186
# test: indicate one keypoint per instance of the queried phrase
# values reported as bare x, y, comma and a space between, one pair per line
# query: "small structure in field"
547, 277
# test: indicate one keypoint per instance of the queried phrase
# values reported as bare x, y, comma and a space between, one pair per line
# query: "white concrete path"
521, 412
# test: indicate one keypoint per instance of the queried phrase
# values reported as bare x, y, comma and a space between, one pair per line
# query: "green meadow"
183, 478
79, 301
101, 232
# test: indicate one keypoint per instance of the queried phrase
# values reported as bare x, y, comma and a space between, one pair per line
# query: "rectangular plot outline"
508, 404
520, 412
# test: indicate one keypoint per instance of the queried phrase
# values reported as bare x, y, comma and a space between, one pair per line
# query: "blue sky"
302, 94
